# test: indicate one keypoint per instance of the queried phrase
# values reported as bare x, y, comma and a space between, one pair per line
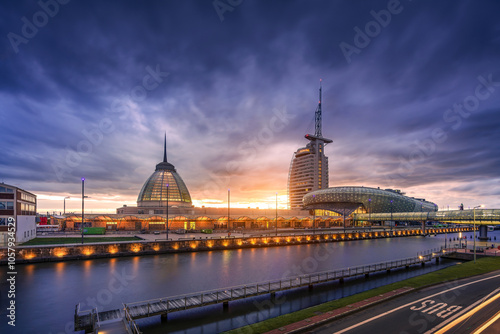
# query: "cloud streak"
225, 80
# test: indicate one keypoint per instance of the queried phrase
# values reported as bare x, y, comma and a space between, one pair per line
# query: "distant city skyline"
411, 96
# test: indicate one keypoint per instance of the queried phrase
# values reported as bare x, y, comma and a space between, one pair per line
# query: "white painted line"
444, 323
468, 314
488, 324
406, 305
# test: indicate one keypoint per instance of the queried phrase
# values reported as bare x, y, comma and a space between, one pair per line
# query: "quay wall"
49, 253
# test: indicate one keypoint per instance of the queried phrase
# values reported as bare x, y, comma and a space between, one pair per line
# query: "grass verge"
463, 270
76, 240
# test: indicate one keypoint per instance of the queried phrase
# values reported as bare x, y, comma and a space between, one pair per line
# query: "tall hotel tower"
309, 166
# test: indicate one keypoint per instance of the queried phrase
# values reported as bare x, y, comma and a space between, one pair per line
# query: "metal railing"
130, 322
90, 318
156, 306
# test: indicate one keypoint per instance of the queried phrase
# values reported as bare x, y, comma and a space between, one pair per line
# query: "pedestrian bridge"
479, 216
91, 320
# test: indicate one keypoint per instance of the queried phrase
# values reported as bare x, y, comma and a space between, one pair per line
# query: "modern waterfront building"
151, 214
18, 207
346, 200
309, 166
164, 187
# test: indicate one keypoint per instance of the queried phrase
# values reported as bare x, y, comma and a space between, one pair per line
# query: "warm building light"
113, 249
135, 248
175, 246
87, 251
60, 251
29, 256
156, 247
193, 245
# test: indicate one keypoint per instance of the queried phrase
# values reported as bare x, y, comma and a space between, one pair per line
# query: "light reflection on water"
107, 283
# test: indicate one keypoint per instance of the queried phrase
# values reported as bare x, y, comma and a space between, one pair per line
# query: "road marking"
467, 315
437, 307
455, 316
488, 324
408, 304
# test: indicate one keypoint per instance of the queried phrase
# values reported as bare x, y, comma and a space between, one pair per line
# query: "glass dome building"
164, 183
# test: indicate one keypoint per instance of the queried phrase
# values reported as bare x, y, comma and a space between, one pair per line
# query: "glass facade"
452, 216
6, 205
373, 200
155, 188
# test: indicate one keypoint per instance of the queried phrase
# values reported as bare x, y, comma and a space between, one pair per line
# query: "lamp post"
391, 215
474, 211
167, 211
370, 213
64, 201
228, 211
343, 212
314, 218
83, 204
276, 214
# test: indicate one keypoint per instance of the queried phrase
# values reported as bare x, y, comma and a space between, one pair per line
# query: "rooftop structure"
345, 200
309, 165
164, 183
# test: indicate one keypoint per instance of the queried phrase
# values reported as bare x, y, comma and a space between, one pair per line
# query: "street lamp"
314, 218
228, 210
474, 211
391, 215
167, 212
83, 204
64, 212
276, 214
370, 212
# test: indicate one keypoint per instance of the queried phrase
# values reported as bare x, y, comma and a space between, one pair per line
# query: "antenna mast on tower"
317, 117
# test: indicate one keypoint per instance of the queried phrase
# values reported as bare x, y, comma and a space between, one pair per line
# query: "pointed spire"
165, 149
317, 115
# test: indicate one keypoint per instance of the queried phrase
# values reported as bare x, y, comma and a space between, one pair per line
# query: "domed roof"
348, 199
165, 181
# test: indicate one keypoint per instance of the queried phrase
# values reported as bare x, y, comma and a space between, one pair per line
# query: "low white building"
17, 208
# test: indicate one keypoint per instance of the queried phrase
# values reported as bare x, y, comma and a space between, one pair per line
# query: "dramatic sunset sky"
411, 97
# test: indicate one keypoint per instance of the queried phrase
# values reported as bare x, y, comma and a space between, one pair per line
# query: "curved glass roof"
163, 183
155, 189
348, 199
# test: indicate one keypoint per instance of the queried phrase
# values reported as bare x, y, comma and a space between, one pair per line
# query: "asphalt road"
455, 307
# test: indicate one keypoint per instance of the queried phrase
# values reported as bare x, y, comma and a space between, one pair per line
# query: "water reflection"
58, 287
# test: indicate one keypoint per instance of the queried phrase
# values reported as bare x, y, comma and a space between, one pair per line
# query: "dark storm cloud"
226, 78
